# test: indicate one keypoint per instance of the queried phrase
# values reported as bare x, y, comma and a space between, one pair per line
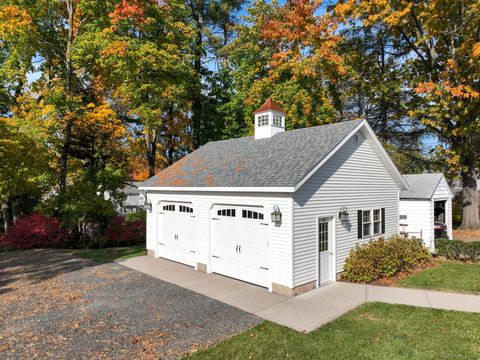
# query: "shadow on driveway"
36, 266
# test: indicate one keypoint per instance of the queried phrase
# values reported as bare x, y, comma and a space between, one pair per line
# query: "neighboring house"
133, 198
426, 208
217, 209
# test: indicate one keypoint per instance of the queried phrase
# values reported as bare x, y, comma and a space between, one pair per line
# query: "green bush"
384, 258
136, 215
458, 250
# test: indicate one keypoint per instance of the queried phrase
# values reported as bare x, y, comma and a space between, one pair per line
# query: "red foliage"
128, 9
33, 232
122, 233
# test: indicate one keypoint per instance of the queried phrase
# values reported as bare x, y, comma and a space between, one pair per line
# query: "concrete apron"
302, 313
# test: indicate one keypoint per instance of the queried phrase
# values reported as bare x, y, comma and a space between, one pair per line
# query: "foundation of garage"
285, 290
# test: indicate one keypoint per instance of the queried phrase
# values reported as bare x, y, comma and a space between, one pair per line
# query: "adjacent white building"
426, 208
281, 209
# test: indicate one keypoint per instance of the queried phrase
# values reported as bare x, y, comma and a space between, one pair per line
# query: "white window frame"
262, 120
372, 223
277, 121
379, 222
370, 232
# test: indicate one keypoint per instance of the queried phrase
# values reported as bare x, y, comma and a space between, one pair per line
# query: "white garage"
280, 209
239, 243
426, 208
176, 235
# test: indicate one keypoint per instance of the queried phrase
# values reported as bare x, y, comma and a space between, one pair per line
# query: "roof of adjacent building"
280, 161
132, 188
421, 186
269, 105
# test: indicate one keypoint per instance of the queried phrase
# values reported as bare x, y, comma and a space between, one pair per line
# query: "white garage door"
240, 243
176, 239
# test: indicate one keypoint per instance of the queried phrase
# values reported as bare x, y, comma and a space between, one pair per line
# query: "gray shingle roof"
421, 186
132, 188
280, 161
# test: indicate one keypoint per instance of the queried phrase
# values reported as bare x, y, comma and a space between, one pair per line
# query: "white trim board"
220, 189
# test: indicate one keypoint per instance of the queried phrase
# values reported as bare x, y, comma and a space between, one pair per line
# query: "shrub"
136, 215
121, 232
384, 258
33, 232
458, 250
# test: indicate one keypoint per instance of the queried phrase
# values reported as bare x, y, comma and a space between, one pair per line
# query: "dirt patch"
466, 235
392, 281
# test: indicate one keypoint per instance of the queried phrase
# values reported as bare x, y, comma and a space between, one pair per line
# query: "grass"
371, 331
111, 254
447, 276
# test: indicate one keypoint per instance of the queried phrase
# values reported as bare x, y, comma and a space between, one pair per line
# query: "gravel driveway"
54, 305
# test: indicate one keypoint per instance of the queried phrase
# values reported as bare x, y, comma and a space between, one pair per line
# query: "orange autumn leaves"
305, 41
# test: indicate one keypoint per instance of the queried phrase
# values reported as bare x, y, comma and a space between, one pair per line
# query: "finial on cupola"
269, 120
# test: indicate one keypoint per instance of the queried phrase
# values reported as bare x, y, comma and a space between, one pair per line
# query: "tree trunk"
471, 219
197, 103
151, 151
68, 87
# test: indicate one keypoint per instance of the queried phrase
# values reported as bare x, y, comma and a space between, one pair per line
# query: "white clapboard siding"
419, 219
280, 242
354, 177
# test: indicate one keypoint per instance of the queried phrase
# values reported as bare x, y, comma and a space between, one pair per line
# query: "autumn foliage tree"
290, 52
440, 43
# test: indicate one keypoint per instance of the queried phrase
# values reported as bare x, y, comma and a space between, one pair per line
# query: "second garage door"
240, 243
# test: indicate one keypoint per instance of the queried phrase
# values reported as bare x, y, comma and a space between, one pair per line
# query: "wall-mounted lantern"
343, 214
276, 215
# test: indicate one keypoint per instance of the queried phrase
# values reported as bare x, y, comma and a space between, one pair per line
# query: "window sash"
371, 222
263, 120
277, 120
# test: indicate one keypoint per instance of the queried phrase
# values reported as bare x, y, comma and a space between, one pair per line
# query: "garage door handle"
239, 249
161, 243
236, 249
216, 257
192, 251
264, 224
215, 219
263, 268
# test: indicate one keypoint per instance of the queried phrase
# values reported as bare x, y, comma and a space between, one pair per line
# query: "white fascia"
220, 189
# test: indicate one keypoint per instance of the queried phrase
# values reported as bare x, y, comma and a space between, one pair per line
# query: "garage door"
240, 243
177, 232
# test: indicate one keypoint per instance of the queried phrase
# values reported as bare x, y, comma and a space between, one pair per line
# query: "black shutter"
383, 220
359, 224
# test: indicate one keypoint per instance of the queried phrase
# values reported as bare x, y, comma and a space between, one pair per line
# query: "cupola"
269, 120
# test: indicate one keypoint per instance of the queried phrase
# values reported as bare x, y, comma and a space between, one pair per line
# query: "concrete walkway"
302, 313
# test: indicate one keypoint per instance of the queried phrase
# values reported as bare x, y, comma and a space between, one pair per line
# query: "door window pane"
323, 236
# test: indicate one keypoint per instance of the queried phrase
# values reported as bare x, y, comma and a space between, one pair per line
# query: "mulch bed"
54, 305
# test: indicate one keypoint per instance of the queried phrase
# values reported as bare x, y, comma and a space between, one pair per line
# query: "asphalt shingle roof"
420, 186
280, 161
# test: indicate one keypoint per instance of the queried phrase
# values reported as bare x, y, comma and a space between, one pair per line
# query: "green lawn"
110, 254
371, 331
447, 276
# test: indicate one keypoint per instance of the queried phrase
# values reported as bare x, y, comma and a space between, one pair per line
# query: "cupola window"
277, 120
263, 120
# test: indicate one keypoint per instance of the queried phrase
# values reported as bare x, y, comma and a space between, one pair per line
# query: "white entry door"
176, 239
326, 261
239, 244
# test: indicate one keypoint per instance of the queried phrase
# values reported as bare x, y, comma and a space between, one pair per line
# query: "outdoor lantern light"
276, 215
343, 214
